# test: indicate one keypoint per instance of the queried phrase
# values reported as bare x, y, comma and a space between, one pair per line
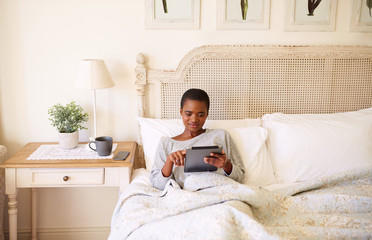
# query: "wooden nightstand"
22, 173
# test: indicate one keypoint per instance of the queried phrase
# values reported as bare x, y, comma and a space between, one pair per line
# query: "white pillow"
251, 145
229, 124
307, 146
152, 130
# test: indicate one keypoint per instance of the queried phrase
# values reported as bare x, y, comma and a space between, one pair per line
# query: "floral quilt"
211, 206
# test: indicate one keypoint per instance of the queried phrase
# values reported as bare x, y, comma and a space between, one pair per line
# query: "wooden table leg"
12, 203
11, 190
34, 214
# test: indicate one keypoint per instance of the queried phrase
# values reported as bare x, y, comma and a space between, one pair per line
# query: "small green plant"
69, 118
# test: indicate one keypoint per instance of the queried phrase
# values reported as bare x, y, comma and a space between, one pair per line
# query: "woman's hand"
219, 160
176, 158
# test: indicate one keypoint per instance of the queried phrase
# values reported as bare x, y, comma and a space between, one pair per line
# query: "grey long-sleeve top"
210, 137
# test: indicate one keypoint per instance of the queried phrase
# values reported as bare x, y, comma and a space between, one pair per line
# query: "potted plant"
68, 120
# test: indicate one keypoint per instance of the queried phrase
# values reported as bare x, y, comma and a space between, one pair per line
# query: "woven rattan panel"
248, 87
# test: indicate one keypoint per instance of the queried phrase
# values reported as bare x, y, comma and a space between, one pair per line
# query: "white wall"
41, 43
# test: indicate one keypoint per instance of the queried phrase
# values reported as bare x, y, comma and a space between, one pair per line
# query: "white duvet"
212, 206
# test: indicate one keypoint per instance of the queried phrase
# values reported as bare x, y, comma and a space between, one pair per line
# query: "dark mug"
103, 145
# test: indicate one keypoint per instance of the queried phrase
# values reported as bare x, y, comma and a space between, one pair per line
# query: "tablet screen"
194, 161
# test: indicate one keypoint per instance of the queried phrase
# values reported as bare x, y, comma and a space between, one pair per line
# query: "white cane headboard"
247, 81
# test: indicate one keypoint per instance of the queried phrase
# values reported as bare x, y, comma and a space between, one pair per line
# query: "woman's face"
194, 113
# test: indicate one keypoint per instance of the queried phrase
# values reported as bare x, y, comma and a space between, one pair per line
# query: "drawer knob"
66, 178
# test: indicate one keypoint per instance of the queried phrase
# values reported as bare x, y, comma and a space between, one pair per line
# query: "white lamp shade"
93, 74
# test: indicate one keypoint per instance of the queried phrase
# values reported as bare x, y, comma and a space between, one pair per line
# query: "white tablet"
194, 161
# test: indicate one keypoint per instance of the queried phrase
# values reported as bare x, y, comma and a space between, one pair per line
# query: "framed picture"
243, 14
361, 16
311, 15
172, 14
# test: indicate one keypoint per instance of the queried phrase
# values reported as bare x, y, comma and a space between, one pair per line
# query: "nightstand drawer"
43, 177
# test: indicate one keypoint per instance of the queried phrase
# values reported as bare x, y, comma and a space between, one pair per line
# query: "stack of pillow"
284, 148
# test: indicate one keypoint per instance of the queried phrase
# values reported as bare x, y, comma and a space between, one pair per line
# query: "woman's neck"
187, 135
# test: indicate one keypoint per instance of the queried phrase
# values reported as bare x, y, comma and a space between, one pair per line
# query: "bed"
301, 118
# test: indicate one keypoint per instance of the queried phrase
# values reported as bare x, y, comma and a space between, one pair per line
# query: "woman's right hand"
177, 158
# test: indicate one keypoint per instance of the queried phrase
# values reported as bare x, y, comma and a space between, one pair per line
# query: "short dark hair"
195, 94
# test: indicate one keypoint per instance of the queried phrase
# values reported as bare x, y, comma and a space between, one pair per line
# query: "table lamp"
93, 75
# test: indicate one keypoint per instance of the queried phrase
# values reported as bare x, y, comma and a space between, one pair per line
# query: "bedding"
321, 158
212, 206
251, 144
152, 130
307, 146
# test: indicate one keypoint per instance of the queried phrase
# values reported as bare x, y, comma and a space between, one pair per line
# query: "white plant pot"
68, 140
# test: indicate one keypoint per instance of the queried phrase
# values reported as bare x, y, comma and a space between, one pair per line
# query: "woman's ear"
181, 111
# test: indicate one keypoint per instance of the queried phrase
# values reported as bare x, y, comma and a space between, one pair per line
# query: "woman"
171, 152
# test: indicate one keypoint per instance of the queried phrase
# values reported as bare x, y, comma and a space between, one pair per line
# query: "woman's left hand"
219, 160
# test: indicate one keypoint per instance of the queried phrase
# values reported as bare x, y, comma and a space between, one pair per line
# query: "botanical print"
172, 14
173, 10
312, 11
243, 10
243, 14
369, 5
244, 6
361, 16
165, 6
312, 5
365, 12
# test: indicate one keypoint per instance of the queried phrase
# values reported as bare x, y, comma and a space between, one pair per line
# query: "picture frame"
231, 14
361, 16
172, 14
316, 15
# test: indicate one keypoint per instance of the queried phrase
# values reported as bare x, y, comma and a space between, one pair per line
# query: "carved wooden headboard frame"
247, 81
